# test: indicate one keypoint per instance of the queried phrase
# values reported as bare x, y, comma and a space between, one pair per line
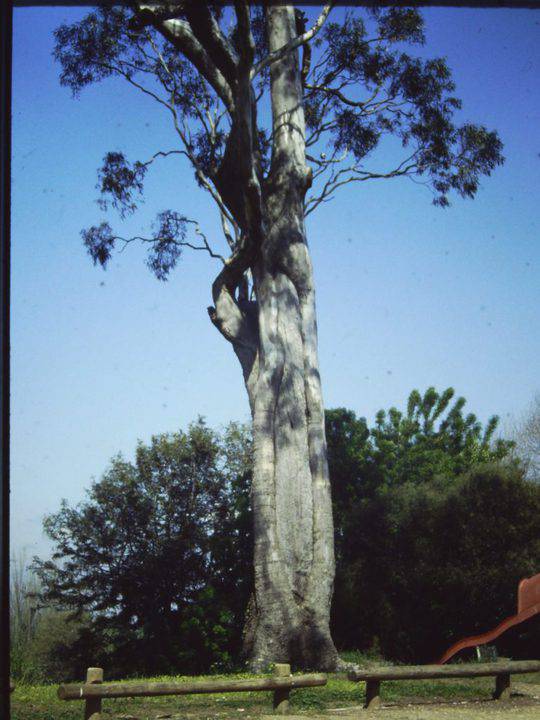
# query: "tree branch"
208, 33
336, 92
293, 44
247, 43
127, 76
180, 34
226, 314
405, 168
166, 153
182, 243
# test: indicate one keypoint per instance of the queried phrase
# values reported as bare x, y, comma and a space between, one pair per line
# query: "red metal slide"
528, 605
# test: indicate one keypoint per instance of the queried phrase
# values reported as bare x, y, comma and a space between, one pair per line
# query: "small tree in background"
432, 438
435, 526
272, 137
45, 642
528, 440
23, 619
158, 557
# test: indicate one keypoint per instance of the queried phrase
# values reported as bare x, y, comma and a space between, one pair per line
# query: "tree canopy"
361, 86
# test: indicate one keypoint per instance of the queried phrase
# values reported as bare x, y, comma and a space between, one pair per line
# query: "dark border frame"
6, 43
6, 40
518, 4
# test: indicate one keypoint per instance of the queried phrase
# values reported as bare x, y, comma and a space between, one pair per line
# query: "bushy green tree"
454, 556
434, 526
158, 556
432, 438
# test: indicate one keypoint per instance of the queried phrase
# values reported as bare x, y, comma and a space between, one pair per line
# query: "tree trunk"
293, 529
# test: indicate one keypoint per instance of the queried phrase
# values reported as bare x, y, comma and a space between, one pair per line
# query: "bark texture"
264, 305
294, 554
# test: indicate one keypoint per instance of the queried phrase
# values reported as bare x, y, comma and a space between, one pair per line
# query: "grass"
40, 702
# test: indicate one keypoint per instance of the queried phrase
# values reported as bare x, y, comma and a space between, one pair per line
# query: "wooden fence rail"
94, 690
500, 670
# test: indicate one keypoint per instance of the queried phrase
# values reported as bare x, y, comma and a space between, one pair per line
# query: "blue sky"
409, 295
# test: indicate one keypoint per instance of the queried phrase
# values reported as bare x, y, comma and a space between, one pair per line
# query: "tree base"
310, 650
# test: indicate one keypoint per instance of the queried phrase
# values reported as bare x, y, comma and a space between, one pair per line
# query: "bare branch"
180, 34
205, 247
336, 180
322, 128
324, 162
293, 44
247, 42
336, 92
226, 314
166, 153
183, 134
209, 34
127, 76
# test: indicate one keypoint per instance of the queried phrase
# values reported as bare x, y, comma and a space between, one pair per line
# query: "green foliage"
360, 87
415, 101
435, 526
86, 50
61, 646
432, 438
23, 620
44, 640
456, 554
158, 556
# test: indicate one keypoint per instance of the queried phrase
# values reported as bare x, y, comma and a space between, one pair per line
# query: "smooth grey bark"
293, 529
273, 330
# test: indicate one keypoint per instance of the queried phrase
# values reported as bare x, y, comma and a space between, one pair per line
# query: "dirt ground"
470, 711
515, 709
524, 704
465, 711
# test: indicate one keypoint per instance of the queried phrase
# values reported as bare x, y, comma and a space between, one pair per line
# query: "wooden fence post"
92, 706
502, 687
373, 694
281, 695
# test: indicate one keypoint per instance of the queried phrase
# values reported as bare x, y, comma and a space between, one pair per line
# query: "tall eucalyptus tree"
334, 91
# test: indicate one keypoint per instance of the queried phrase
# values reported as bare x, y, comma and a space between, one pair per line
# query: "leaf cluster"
153, 554
87, 50
435, 525
366, 86
165, 244
362, 85
120, 180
